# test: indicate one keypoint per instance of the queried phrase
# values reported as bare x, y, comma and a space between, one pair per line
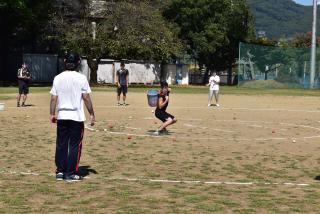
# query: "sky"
304, 2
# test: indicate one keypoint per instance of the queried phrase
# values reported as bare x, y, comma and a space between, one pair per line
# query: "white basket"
1, 106
152, 96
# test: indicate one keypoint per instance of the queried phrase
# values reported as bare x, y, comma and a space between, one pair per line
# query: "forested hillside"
281, 18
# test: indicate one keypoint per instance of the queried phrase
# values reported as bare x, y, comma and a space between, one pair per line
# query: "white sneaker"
217, 105
209, 105
74, 178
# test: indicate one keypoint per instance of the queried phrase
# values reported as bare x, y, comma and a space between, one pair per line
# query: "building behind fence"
44, 67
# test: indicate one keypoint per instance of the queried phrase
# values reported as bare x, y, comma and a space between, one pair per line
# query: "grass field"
257, 153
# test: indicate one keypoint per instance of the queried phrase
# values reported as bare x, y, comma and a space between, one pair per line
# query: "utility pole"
94, 29
313, 45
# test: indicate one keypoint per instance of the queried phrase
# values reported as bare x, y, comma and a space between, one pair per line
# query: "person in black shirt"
122, 83
160, 113
23, 76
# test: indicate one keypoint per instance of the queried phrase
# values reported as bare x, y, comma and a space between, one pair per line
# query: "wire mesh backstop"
275, 67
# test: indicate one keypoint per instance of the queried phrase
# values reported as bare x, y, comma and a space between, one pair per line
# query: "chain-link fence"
275, 67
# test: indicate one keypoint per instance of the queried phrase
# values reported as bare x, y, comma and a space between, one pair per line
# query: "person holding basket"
160, 112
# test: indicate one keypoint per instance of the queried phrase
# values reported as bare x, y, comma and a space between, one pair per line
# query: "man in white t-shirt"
214, 81
70, 90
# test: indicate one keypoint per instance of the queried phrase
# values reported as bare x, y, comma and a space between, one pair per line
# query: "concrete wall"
45, 67
84, 68
146, 73
176, 74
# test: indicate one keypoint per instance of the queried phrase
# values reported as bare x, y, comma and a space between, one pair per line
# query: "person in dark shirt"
23, 76
160, 112
122, 78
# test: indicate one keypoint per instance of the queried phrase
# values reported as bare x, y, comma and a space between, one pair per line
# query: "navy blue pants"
68, 146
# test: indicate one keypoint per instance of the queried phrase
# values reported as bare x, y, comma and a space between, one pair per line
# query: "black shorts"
163, 115
122, 89
23, 87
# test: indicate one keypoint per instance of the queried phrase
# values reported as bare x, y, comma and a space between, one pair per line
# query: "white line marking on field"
128, 127
205, 182
129, 134
303, 184
212, 138
222, 108
272, 109
239, 183
184, 119
195, 107
213, 182
192, 119
304, 126
149, 118
21, 173
29, 173
189, 125
194, 126
165, 180
220, 130
256, 126
289, 184
90, 129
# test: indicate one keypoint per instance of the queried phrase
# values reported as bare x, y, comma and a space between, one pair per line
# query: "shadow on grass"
152, 132
27, 105
317, 178
86, 170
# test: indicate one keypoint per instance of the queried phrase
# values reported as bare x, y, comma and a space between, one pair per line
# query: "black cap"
163, 84
72, 57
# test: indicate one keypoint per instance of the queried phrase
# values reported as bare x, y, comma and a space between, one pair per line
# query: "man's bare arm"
53, 104
88, 103
127, 80
117, 80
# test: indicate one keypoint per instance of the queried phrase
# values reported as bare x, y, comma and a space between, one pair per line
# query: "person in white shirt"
69, 91
214, 81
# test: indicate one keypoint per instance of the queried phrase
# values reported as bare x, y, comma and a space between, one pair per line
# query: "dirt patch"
265, 140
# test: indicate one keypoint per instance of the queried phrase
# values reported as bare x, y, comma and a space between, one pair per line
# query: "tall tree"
22, 23
125, 30
212, 29
303, 40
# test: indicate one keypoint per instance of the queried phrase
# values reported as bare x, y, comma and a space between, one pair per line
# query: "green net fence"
275, 67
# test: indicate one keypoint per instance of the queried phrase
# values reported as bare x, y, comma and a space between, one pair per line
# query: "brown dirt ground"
247, 139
